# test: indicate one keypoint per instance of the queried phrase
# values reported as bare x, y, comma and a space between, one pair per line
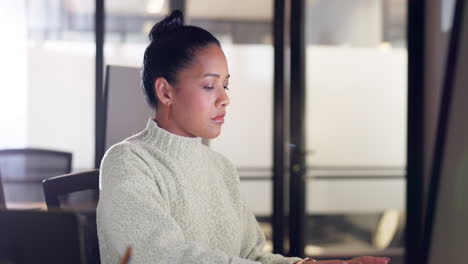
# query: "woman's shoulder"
125, 149
118, 151
133, 150
135, 144
132, 158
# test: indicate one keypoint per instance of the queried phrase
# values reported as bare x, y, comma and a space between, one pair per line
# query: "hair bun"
169, 23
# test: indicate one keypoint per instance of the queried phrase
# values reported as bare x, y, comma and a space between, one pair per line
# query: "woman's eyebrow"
215, 75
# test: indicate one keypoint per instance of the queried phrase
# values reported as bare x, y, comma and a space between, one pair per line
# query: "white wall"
13, 102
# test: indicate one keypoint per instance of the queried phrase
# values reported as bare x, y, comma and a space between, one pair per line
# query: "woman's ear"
164, 91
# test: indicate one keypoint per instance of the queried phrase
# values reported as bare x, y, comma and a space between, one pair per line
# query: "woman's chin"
212, 134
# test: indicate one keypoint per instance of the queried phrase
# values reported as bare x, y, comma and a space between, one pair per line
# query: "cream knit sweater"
175, 201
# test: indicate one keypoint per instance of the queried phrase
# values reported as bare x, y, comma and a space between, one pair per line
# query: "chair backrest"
30, 164
57, 187
29, 236
24, 169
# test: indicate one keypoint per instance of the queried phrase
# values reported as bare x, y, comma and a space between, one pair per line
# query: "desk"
83, 206
26, 205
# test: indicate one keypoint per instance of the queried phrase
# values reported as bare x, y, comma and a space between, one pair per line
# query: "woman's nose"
223, 99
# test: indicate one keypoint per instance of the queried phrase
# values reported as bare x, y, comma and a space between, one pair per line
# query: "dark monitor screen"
446, 238
40, 237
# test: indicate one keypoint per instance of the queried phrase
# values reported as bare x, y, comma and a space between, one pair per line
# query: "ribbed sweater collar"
176, 146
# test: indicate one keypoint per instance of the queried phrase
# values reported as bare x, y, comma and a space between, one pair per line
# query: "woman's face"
200, 101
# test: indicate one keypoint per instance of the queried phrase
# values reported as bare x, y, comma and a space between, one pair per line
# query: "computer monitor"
446, 232
2, 195
126, 110
40, 237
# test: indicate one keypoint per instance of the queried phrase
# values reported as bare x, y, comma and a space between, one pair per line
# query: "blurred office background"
356, 101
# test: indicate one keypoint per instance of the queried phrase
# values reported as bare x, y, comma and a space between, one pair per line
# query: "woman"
164, 193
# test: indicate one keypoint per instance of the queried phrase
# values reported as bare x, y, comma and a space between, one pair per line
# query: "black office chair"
57, 190
24, 169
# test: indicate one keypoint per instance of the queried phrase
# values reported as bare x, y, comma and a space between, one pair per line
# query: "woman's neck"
165, 121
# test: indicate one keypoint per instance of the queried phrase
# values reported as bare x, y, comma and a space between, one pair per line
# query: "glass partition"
356, 65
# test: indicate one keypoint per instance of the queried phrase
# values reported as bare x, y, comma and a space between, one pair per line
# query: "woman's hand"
359, 260
305, 261
371, 260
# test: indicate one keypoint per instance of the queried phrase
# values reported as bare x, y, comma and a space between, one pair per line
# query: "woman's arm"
254, 241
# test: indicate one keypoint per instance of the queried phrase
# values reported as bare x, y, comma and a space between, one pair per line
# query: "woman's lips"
219, 118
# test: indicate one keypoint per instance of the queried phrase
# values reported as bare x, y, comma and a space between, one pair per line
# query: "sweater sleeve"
254, 241
133, 211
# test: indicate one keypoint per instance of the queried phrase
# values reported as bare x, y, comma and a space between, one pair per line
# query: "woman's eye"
212, 87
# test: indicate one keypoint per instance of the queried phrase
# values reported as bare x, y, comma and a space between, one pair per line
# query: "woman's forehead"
211, 62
